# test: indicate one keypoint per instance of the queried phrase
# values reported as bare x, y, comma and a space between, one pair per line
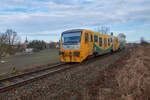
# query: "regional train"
78, 44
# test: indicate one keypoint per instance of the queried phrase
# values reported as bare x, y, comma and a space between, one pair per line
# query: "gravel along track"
67, 85
9, 83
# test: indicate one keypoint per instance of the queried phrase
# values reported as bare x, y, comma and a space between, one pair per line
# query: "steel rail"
30, 72
51, 70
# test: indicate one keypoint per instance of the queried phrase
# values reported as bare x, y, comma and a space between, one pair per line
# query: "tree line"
38, 45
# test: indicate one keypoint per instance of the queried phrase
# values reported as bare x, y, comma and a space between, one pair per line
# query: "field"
27, 61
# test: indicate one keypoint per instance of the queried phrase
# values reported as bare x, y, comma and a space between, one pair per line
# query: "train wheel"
112, 52
95, 54
119, 50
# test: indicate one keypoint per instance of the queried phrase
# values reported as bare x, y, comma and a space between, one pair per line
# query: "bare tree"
103, 29
8, 39
3, 45
11, 36
3, 38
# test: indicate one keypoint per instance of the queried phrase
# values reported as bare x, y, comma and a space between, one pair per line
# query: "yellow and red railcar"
77, 44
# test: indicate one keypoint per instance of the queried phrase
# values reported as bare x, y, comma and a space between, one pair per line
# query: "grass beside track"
27, 61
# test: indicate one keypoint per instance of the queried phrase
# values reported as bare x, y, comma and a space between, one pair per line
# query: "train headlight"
76, 53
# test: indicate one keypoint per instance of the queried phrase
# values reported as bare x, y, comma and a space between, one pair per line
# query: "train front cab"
71, 52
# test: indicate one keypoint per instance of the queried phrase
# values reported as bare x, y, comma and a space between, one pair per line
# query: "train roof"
75, 30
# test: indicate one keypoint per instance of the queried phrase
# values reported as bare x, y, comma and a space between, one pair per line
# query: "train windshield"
74, 37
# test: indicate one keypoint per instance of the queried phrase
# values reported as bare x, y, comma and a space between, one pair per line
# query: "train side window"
86, 37
108, 41
111, 39
91, 38
100, 41
95, 38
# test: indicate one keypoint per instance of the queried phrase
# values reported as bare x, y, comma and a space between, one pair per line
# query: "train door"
90, 43
86, 41
105, 43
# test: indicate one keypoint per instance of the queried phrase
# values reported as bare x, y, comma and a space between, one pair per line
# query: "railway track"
13, 82
28, 77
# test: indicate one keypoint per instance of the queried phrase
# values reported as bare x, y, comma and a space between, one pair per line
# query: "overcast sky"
46, 19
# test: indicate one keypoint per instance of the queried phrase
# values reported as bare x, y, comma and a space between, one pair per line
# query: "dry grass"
134, 78
13, 72
126, 79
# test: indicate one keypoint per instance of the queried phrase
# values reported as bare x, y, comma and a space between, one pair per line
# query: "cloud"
48, 16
